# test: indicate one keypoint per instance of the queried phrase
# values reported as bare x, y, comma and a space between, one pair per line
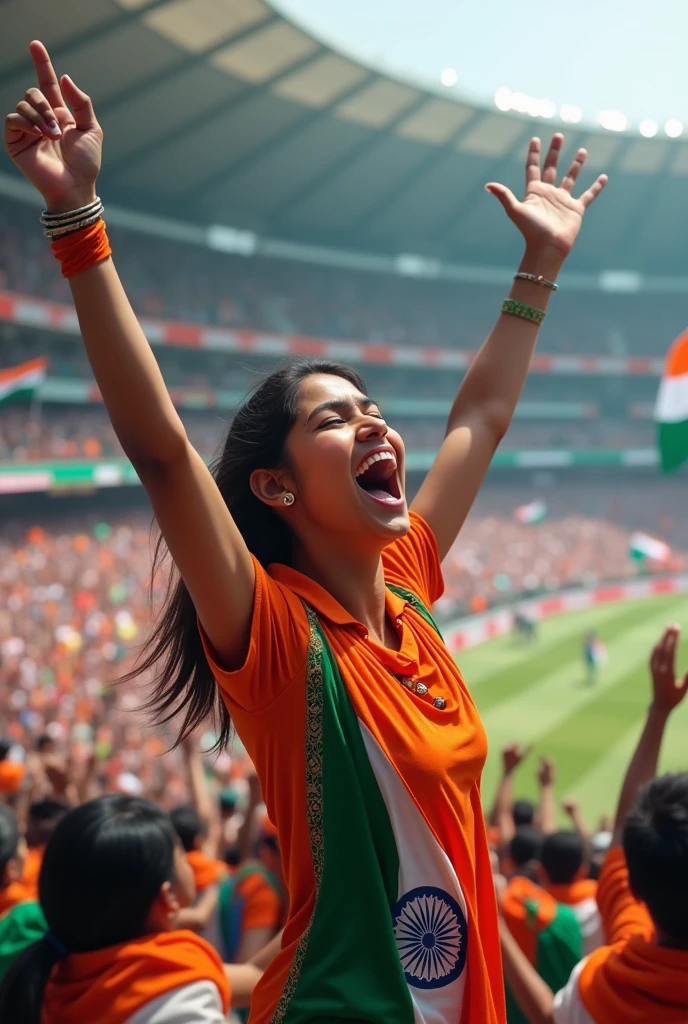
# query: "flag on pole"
644, 548
23, 380
671, 409
532, 513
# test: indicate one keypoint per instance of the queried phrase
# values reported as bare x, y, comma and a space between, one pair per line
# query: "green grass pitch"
539, 694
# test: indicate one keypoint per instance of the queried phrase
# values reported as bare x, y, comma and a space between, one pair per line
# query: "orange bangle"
82, 249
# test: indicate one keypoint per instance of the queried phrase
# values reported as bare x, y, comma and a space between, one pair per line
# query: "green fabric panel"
559, 948
19, 928
348, 966
415, 602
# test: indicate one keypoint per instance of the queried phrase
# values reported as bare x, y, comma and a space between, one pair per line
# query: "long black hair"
102, 870
256, 439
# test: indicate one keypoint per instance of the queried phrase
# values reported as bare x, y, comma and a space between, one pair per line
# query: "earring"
288, 498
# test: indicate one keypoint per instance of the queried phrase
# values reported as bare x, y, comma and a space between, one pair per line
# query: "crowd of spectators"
70, 432
190, 283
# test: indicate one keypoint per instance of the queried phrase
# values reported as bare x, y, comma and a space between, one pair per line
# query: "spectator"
563, 858
641, 974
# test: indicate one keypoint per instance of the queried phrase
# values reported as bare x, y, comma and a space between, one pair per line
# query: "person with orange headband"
113, 882
640, 976
302, 608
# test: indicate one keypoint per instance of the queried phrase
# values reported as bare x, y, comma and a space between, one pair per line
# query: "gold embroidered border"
314, 799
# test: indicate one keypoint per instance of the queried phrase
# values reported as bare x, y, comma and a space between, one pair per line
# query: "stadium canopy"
223, 112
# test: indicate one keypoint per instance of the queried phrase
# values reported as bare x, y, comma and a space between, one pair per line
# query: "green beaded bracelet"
513, 308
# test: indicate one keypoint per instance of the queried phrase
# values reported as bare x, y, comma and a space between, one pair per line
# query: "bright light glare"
673, 128
449, 77
613, 120
520, 102
503, 98
648, 128
571, 114
547, 108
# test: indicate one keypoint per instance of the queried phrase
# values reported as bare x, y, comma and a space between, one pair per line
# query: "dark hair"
5, 747
9, 837
655, 839
523, 813
44, 740
188, 825
525, 845
42, 817
562, 856
256, 440
102, 869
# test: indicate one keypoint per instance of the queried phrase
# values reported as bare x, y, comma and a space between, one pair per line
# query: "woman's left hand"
549, 216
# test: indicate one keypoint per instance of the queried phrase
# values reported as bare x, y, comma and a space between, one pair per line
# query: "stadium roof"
223, 112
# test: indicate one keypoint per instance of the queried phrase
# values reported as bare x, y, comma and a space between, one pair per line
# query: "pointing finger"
45, 74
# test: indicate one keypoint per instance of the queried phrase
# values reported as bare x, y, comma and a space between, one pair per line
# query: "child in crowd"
564, 869
113, 882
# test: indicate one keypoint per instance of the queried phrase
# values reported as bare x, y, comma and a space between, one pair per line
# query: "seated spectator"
113, 881
564, 870
192, 832
640, 975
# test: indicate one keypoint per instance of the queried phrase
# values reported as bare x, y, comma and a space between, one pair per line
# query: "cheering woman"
301, 610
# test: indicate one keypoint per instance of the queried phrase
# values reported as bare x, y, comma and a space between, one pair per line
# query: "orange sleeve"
277, 648
261, 904
413, 562
622, 914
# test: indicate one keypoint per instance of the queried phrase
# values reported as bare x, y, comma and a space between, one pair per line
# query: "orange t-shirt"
32, 869
436, 754
262, 907
632, 979
207, 870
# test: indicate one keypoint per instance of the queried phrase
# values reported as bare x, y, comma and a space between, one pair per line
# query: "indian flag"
671, 409
532, 513
23, 380
644, 548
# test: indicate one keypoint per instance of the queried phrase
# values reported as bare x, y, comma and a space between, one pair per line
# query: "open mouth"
377, 476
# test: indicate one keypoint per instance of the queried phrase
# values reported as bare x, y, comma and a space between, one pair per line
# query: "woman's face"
347, 467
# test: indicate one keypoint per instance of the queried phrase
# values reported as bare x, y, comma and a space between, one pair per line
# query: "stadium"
271, 193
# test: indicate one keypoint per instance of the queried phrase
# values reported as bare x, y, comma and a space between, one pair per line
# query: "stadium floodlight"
520, 102
449, 77
571, 114
612, 120
224, 239
673, 128
410, 265
648, 128
503, 98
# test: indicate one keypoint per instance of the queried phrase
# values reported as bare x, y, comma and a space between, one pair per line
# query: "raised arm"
571, 807
501, 816
58, 150
201, 796
547, 807
667, 694
549, 218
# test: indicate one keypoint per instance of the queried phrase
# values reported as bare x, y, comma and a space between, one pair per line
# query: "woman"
113, 882
304, 591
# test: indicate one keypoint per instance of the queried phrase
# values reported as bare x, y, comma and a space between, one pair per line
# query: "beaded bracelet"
513, 308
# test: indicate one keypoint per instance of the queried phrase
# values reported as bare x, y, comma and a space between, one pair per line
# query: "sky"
619, 55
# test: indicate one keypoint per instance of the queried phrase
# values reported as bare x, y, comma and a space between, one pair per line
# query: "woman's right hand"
57, 149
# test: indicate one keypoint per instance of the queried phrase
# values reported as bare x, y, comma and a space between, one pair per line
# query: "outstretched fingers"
594, 190
571, 176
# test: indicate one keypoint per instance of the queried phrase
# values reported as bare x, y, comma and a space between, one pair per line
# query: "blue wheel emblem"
431, 936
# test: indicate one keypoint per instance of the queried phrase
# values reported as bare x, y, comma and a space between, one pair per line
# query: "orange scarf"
32, 868
635, 982
207, 871
112, 984
15, 892
11, 776
574, 892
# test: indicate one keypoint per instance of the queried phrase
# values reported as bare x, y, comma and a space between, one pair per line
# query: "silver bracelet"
536, 279
69, 229
53, 219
